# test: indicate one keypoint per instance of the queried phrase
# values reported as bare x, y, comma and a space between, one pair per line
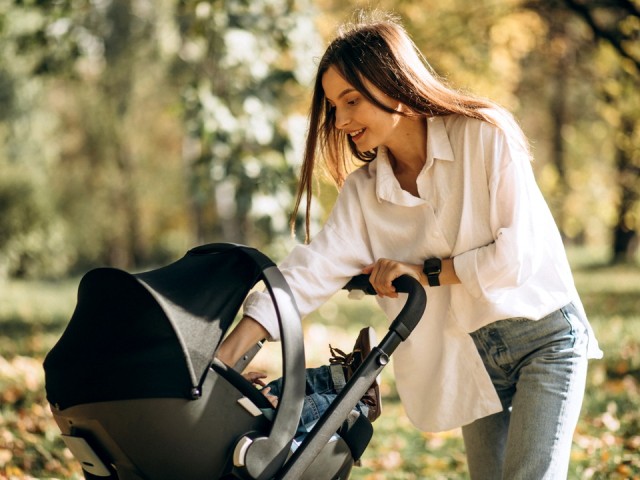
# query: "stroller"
137, 394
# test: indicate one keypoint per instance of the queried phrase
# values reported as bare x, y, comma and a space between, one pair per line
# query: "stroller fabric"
151, 334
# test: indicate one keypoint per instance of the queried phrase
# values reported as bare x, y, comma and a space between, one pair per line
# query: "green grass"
608, 435
33, 315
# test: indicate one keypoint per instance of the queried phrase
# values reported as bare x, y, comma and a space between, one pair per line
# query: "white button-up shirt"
478, 203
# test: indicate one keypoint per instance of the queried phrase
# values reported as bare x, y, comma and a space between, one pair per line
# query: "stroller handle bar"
366, 374
413, 309
262, 456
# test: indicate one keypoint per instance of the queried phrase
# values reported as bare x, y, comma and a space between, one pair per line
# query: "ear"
404, 109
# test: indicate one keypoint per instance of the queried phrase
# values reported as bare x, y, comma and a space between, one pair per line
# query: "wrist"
244, 336
420, 275
446, 273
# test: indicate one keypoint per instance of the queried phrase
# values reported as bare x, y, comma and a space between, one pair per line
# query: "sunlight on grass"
37, 301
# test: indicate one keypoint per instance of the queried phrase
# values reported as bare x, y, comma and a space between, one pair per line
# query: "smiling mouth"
355, 135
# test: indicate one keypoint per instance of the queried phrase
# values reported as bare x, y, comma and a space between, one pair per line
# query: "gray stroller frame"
136, 391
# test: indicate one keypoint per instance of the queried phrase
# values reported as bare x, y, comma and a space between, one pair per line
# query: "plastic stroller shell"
153, 335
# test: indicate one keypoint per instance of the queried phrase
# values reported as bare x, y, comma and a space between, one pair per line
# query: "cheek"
385, 121
376, 118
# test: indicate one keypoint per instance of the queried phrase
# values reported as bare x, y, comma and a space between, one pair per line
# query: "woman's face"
367, 125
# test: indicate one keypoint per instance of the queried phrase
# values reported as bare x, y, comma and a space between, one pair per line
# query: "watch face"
433, 266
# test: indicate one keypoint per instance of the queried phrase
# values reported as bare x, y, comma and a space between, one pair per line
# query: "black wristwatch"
432, 269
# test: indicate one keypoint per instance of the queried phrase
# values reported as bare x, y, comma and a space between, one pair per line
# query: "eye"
353, 101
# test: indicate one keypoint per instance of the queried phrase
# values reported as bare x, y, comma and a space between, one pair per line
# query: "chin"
362, 147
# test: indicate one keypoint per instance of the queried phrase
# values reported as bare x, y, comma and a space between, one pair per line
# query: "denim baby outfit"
323, 384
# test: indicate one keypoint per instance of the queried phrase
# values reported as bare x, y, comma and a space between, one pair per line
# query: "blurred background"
133, 130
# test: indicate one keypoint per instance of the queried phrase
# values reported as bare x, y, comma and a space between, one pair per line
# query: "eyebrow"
343, 93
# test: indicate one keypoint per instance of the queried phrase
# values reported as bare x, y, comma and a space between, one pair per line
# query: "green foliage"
18, 209
149, 129
30, 237
140, 99
244, 66
7, 88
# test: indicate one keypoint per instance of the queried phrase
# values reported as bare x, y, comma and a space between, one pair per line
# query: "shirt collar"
387, 186
438, 144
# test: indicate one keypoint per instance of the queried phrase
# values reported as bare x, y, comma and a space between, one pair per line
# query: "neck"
408, 151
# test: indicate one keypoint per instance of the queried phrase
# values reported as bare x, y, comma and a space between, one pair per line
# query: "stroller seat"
137, 395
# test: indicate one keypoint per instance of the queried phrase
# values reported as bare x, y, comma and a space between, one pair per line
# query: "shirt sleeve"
316, 271
518, 216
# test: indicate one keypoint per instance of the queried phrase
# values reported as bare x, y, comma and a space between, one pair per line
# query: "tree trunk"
625, 232
558, 110
117, 85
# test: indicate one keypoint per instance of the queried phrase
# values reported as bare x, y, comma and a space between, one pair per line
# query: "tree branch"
616, 41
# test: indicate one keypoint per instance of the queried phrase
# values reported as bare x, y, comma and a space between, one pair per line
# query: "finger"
272, 398
368, 269
384, 273
372, 270
376, 278
254, 377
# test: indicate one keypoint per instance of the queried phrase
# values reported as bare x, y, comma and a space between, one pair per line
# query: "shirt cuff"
466, 269
259, 306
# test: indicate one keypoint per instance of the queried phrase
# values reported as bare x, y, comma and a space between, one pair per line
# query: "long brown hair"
376, 47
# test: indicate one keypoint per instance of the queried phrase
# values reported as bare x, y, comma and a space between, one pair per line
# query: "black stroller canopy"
150, 334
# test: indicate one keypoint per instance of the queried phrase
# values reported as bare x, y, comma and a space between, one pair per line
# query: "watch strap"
432, 269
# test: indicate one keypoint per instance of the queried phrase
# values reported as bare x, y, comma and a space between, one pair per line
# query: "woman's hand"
384, 271
256, 379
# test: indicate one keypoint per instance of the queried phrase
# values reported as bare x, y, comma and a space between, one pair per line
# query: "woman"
446, 194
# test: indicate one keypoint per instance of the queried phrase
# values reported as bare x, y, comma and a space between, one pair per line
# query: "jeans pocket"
578, 327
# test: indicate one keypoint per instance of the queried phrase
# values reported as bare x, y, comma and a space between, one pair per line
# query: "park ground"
606, 443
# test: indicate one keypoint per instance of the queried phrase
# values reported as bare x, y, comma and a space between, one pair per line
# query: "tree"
244, 65
30, 235
237, 69
141, 131
616, 24
621, 105
116, 180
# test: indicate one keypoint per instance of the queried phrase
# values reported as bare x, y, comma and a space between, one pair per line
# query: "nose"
342, 119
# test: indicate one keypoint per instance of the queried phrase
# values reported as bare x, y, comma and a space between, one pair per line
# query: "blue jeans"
323, 384
539, 371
